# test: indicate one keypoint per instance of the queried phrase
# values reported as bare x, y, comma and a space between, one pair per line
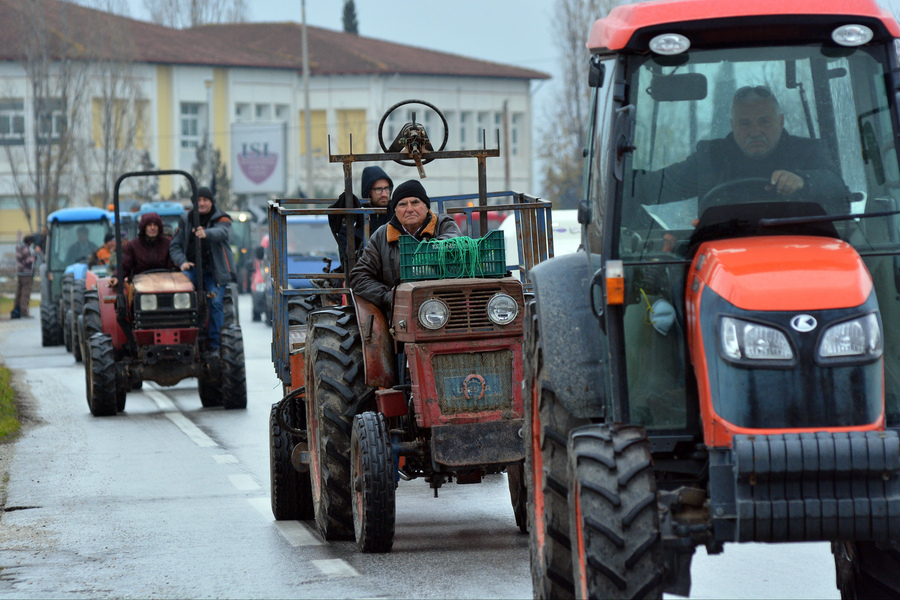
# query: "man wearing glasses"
796, 168
376, 189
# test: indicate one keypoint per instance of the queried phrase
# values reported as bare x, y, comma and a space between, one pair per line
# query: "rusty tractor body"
432, 393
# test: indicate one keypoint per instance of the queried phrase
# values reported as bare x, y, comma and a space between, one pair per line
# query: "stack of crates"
423, 260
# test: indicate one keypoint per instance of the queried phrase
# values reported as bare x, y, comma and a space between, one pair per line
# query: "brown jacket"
378, 270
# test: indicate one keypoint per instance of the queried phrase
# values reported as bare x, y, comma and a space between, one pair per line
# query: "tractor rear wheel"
51, 334
100, 376
210, 395
63, 307
299, 308
68, 326
290, 489
229, 308
372, 474
867, 570
518, 494
233, 375
336, 394
613, 515
547, 426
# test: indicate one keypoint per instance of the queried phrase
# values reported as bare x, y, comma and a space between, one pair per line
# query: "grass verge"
9, 416
6, 304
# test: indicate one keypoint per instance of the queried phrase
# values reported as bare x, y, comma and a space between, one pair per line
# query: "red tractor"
716, 365
433, 393
154, 329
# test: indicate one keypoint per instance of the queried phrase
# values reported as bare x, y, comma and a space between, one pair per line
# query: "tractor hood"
162, 283
784, 273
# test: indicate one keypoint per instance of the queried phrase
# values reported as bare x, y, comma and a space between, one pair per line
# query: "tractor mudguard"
379, 357
570, 334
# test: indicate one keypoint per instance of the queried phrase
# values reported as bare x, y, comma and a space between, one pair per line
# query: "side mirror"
596, 73
260, 252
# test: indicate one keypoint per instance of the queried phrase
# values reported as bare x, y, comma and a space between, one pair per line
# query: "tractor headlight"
181, 300
859, 337
744, 340
148, 301
433, 314
502, 309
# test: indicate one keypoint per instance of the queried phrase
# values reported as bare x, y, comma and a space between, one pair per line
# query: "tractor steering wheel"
719, 195
409, 163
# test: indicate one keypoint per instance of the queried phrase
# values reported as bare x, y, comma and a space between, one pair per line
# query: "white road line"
335, 567
244, 483
225, 459
181, 421
295, 532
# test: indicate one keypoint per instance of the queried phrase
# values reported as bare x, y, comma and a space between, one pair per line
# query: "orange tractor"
719, 363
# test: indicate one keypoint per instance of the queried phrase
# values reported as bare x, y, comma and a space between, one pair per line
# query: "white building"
243, 83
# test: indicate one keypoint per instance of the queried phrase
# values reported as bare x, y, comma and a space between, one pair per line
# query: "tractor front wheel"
100, 375
51, 334
233, 375
613, 515
77, 310
372, 475
867, 570
336, 393
518, 494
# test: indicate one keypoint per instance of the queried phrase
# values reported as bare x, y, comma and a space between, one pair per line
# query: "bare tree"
566, 134
192, 13
56, 74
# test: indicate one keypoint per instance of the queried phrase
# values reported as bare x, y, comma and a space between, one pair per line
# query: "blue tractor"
74, 234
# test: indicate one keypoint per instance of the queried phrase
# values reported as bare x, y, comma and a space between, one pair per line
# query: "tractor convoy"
716, 363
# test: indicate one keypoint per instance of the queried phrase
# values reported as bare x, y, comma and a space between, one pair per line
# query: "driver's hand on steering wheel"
785, 183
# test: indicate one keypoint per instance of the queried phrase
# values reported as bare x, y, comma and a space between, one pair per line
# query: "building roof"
80, 32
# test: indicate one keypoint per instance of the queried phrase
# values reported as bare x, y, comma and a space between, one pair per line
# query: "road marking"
225, 459
243, 482
295, 532
335, 567
181, 421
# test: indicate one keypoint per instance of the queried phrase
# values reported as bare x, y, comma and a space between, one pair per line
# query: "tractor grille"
468, 308
165, 318
474, 382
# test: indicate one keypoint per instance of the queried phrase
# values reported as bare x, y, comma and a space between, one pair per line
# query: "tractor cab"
739, 298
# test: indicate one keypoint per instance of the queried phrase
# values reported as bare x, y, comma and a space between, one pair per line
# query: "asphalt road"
171, 500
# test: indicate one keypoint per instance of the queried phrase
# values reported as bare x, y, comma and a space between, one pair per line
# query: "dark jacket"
24, 260
143, 254
378, 270
215, 247
721, 160
338, 223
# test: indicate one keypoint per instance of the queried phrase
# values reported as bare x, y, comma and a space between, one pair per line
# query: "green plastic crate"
423, 260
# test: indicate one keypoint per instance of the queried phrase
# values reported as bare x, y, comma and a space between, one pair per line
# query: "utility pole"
307, 120
209, 130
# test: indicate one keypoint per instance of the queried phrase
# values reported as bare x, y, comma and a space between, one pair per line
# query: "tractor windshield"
714, 129
73, 242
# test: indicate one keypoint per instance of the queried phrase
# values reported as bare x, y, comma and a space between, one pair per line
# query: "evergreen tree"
351, 24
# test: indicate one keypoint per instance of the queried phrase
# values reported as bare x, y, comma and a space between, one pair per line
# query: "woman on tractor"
378, 270
149, 250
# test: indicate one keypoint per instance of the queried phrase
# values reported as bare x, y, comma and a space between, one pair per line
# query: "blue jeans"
216, 314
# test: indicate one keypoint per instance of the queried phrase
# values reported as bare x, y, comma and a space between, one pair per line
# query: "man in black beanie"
378, 270
376, 190
213, 231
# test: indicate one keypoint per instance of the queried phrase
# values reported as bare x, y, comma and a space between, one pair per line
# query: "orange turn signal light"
615, 282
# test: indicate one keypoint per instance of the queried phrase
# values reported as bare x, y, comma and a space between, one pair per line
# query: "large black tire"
210, 394
291, 490
90, 321
372, 474
518, 494
299, 308
230, 308
547, 426
613, 514
64, 308
77, 309
867, 570
233, 375
338, 393
68, 326
51, 333
100, 376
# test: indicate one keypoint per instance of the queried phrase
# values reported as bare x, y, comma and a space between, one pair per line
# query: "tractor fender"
570, 335
379, 357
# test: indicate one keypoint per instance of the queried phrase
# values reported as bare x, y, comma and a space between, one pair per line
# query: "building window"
464, 125
190, 125
515, 132
281, 112
483, 129
12, 122
51, 119
263, 112
242, 112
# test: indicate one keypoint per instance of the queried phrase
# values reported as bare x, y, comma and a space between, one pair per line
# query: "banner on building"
258, 158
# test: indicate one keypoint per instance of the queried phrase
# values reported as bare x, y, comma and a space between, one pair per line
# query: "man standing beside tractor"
213, 231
